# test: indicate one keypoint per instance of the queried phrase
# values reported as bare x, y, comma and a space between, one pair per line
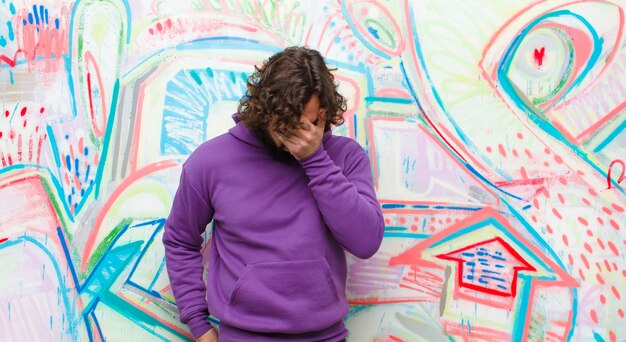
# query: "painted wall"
496, 130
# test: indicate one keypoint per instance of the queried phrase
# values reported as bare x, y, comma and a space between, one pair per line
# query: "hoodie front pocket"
285, 297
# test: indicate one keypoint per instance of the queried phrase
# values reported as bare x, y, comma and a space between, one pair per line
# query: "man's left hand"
304, 141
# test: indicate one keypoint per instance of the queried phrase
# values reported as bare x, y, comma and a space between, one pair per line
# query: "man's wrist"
199, 326
320, 149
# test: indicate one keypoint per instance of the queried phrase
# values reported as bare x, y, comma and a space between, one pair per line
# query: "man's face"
312, 112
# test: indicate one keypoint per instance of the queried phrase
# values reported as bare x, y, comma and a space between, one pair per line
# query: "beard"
276, 152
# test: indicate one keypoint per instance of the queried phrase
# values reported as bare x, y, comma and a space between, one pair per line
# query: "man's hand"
209, 336
304, 141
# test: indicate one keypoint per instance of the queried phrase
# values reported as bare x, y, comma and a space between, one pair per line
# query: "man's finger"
286, 140
305, 124
282, 137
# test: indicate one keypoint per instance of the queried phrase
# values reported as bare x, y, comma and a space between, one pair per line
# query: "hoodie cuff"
311, 158
198, 326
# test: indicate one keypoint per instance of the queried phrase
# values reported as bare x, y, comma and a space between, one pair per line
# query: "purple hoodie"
277, 264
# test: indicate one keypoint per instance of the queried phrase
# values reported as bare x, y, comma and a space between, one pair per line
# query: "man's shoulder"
211, 151
344, 151
343, 144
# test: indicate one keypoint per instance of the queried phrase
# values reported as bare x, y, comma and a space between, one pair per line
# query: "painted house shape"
469, 252
490, 266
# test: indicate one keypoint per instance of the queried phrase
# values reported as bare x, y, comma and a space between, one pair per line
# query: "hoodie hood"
241, 132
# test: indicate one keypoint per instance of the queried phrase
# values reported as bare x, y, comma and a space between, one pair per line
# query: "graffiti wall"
496, 131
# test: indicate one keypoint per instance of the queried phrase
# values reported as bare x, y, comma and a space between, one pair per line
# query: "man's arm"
183, 245
347, 200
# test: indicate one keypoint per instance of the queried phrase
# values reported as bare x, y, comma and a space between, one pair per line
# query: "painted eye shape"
539, 76
549, 57
558, 66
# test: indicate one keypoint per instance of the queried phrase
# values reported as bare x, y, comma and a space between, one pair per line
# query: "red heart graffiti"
539, 54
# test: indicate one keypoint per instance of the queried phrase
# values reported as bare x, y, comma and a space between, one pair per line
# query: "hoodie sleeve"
347, 200
183, 241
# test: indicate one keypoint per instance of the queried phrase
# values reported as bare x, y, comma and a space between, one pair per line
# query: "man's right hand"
209, 336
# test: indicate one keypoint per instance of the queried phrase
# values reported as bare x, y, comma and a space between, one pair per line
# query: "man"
287, 198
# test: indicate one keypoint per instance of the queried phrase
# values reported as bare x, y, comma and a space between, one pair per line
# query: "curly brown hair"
280, 88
